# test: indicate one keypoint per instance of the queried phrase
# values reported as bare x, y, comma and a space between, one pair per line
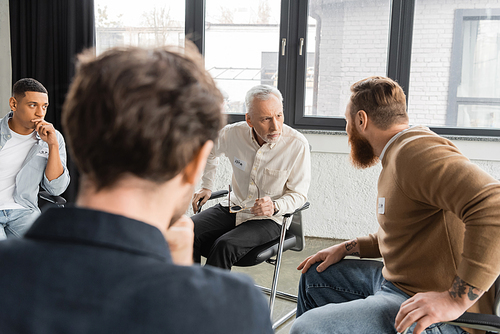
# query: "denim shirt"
32, 173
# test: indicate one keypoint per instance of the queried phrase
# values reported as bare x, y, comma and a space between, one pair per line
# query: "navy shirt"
85, 271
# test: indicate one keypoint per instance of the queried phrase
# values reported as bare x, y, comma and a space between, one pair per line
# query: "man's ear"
361, 120
192, 172
13, 104
249, 120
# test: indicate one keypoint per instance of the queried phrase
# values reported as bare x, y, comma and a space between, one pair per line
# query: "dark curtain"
46, 35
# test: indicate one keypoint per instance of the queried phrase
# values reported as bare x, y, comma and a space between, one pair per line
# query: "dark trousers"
218, 239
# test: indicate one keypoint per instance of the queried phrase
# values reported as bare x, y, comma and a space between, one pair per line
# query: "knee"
338, 274
196, 238
197, 225
197, 242
312, 276
222, 245
201, 232
298, 326
304, 325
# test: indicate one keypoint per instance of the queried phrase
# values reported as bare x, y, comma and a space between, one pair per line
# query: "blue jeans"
352, 296
15, 222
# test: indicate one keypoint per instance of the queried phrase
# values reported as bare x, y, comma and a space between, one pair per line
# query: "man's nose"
274, 124
40, 112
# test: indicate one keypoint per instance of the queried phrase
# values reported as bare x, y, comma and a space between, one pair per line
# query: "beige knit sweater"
439, 216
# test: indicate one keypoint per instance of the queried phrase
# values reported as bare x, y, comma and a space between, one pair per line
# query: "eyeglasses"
237, 208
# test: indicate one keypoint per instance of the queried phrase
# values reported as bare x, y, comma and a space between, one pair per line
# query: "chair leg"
278, 265
273, 292
285, 296
279, 294
284, 319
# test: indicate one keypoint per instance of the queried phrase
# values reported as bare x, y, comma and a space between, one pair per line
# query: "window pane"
455, 68
347, 42
145, 23
480, 61
241, 48
478, 116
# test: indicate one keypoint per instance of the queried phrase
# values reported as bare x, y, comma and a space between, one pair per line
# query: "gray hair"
263, 93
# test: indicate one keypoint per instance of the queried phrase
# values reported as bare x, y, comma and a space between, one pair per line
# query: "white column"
5, 59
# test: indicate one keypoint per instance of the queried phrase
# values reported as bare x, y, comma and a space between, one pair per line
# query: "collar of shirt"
396, 136
102, 229
5, 130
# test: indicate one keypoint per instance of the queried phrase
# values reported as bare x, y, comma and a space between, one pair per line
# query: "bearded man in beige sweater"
439, 233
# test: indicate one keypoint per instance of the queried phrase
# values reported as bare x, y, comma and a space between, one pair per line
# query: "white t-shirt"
12, 156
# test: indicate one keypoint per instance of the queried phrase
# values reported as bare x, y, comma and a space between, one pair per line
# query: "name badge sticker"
381, 205
238, 163
44, 152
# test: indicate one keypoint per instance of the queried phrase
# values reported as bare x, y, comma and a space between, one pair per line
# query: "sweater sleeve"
368, 246
439, 175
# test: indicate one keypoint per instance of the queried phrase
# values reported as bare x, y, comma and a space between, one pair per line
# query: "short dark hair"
382, 99
27, 85
144, 112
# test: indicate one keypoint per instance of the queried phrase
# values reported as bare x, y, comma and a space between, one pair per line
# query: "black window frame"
292, 66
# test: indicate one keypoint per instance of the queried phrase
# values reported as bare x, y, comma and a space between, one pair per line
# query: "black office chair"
46, 199
291, 238
486, 322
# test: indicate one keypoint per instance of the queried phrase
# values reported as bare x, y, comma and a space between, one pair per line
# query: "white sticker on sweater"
238, 163
381, 205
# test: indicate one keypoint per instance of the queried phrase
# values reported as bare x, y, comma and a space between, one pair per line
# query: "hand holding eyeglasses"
263, 207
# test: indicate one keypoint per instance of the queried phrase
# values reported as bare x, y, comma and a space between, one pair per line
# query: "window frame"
292, 66
461, 15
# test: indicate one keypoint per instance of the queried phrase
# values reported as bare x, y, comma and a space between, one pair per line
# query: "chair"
291, 238
486, 322
52, 199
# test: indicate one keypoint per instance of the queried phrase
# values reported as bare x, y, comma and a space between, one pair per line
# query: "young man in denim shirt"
32, 153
